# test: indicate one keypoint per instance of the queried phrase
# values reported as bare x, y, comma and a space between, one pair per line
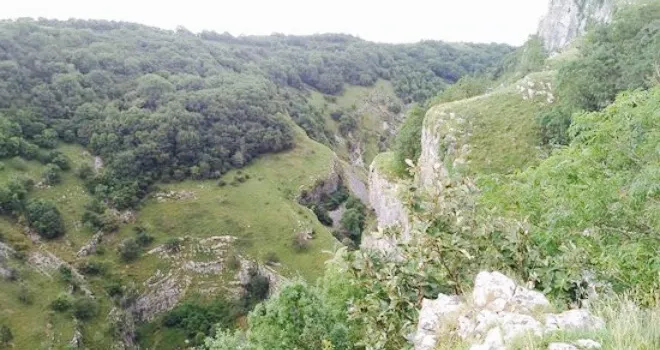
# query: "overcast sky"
395, 21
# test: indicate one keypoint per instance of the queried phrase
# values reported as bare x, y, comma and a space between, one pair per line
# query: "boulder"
588, 344
430, 319
499, 312
573, 319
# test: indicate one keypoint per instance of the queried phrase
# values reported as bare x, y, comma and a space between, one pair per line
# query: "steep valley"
172, 190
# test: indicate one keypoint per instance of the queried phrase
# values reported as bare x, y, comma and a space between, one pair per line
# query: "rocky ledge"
497, 312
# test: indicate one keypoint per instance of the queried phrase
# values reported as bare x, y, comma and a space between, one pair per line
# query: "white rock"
528, 300
491, 286
588, 344
430, 319
466, 327
561, 346
573, 319
493, 341
485, 320
568, 19
514, 325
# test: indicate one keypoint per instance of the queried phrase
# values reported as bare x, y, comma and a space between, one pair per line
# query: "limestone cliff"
384, 198
568, 19
491, 133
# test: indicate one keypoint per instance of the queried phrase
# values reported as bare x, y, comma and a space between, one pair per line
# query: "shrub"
129, 250
51, 176
6, 335
322, 214
336, 115
407, 144
62, 303
114, 288
256, 290
143, 239
61, 161
196, 318
85, 308
66, 275
85, 172
44, 218
93, 268
173, 245
25, 296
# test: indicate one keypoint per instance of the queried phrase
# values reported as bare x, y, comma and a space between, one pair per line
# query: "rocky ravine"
497, 312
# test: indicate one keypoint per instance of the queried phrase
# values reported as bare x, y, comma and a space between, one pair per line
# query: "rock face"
444, 145
389, 209
497, 312
568, 19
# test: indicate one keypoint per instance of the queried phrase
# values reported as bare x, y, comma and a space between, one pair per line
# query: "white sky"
395, 21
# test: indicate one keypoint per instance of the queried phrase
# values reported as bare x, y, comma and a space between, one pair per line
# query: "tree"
6, 335
129, 250
44, 218
85, 308
51, 175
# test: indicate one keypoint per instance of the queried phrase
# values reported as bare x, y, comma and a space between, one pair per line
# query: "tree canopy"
158, 104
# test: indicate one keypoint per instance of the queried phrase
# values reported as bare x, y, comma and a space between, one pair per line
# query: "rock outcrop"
384, 198
568, 19
497, 312
444, 145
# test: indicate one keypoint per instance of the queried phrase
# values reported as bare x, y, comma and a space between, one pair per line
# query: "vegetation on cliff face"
616, 57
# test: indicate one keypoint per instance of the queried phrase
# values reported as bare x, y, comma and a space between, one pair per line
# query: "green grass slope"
501, 128
261, 212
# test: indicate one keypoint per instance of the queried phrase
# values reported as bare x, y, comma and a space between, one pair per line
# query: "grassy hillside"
261, 212
501, 127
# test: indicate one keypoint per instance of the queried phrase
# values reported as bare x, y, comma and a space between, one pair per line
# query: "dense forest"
164, 105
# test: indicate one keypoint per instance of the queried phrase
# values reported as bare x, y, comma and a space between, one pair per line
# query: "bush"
25, 296
129, 250
114, 288
256, 290
66, 275
173, 245
44, 218
51, 175
196, 318
61, 161
143, 239
62, 303
322, 214
85, 308
85, 172
92, 268
407, 144
6, 335
336, 115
